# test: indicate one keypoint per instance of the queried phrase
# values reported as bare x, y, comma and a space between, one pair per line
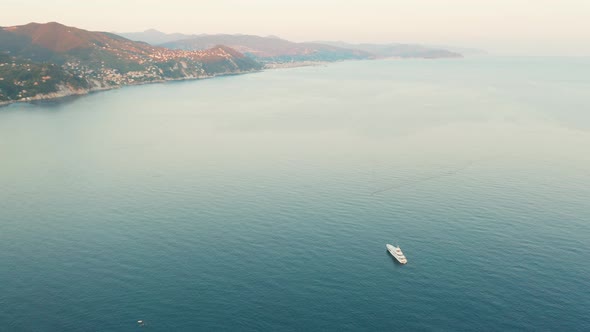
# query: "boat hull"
393, 251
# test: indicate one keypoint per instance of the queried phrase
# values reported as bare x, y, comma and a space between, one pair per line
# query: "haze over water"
264, 201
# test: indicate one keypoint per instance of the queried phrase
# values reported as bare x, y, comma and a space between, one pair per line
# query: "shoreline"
270, 66
53, 96
83, 92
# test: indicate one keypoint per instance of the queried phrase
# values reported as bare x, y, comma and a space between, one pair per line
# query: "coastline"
69, 92
65, 92
298, 64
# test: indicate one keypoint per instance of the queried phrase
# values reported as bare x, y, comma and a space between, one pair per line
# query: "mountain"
47, 60
271, 49
396, 50
154, 37
276, 50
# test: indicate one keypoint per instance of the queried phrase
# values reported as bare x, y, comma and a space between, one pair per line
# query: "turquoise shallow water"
264, 201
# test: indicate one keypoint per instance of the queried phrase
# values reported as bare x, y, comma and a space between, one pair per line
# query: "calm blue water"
264, 201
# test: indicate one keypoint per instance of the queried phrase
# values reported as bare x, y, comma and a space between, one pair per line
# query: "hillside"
154, 37
395, 50
44, 60
271, 49
277, 50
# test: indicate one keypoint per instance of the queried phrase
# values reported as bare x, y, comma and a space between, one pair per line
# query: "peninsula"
51, 60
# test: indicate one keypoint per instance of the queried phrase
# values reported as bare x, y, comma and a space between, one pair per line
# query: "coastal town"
109, 67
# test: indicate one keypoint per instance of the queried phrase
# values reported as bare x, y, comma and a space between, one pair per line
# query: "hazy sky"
543, 27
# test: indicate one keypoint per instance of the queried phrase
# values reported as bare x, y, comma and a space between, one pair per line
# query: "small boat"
397, 253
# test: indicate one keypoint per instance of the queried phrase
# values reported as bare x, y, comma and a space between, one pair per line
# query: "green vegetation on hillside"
24, 79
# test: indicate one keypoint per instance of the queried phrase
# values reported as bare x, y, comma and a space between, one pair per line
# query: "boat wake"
450, 172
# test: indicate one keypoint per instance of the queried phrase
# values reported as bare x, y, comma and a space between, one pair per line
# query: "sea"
263, 202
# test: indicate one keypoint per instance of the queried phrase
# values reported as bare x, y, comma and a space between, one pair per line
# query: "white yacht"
397, 253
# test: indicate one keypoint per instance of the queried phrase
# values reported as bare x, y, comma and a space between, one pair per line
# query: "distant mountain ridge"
154, 37
268, 49
272, 49
49, 60
397, 50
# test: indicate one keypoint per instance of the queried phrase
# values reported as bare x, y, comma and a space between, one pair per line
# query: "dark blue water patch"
189, 210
